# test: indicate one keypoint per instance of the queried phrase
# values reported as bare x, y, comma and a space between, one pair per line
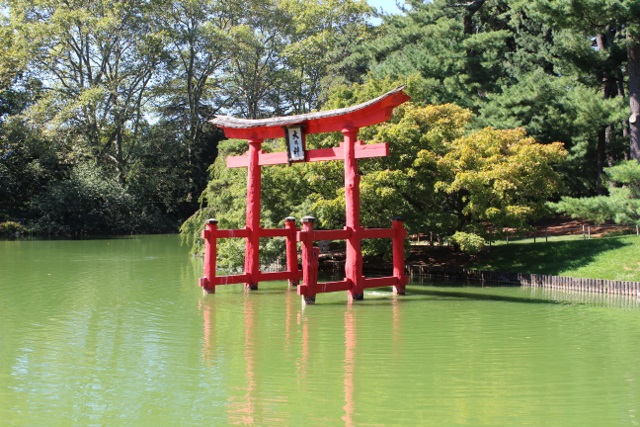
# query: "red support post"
252, 250
292, 250
309, 262
353, 262
210, 240
400, 234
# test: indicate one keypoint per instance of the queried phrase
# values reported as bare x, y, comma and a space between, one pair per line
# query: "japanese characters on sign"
295, 138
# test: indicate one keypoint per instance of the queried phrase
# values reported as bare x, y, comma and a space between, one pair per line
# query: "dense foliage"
103, 105
621, 205
103, 108
468, 242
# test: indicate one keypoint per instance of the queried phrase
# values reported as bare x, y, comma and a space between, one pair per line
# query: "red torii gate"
294, 128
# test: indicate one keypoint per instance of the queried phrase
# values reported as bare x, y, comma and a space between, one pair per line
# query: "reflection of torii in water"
348, 121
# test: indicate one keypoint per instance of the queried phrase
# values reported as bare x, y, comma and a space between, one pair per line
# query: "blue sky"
386, 5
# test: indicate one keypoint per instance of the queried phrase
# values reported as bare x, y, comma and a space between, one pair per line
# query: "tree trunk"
633, 55
625, 123
472, 66
600, 158
609, 90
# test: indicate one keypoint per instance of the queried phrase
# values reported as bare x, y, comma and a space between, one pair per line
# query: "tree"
198, 47
442, 177
517, 64
86, 201
223, 199
12, 59
459, 49
402, 183
121, 82
615, 25
500, 178
283, 51
255, 72
560, 108
633, 63
319, 41
163, 179
97, 61
621, 205
191, 91
27, 163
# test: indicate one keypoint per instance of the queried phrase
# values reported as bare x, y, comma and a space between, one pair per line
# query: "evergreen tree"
622, 205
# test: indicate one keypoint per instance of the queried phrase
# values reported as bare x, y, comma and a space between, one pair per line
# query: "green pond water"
117, 333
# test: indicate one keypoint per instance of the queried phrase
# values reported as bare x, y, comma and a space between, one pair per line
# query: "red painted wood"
273, 232
363, 151
398, 256
353, 262
274, 275
228, 280
372, 114
280, 158
210, 254
342, 285
324, 154
367, 151
292, 251
238, 161
231, 233
331, 234
348, 121
378, 282
252, 250
302, 288
377, 233
310, 262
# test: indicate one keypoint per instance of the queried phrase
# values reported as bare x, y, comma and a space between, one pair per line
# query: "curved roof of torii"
366, 114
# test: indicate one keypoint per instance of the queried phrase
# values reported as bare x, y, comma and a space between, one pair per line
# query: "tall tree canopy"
96, 61
125, 89
615, 26
562, 70
116, 95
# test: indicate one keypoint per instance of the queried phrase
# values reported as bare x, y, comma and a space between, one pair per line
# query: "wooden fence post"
210, 242
292, 250
309, 262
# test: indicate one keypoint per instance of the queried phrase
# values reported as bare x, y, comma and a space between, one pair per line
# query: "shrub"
89, 201
622, 205
10, 228
468, 242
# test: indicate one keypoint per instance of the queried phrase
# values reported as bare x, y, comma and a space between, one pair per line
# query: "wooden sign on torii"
294, 129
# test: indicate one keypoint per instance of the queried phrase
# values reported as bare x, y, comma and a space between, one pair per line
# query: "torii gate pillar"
252, 248
353, 262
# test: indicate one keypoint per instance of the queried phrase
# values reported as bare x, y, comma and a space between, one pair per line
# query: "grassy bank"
613, 258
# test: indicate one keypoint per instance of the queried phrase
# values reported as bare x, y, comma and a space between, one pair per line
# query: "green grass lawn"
613, 258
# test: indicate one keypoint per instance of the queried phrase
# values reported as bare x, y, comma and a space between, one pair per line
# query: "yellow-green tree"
500, 178
12, 59
441, 176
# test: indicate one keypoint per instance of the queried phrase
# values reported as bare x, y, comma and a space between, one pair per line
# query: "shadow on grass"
550, 258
